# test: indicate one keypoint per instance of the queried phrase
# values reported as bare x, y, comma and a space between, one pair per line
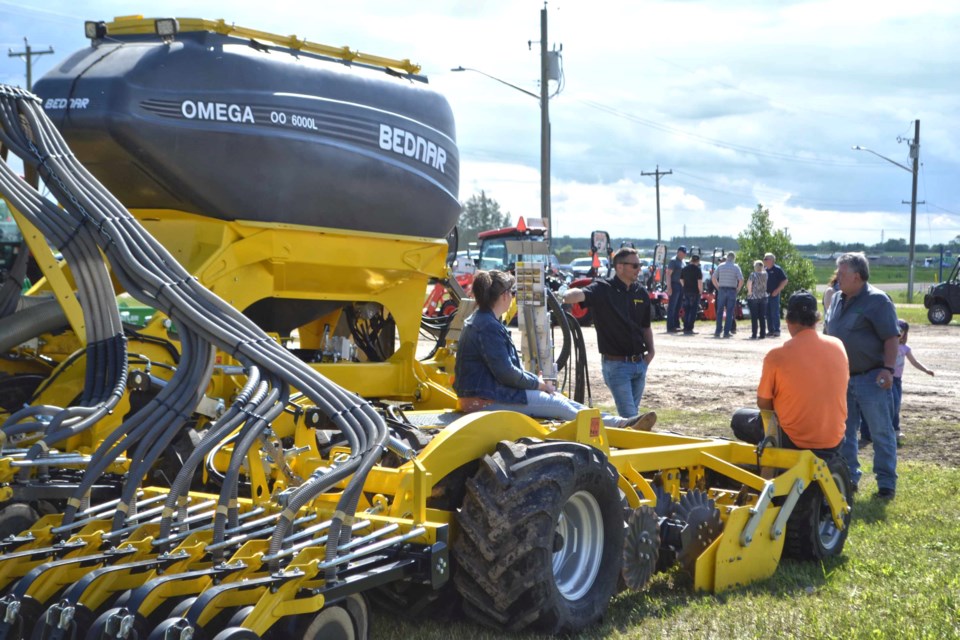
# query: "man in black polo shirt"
691, 278
621, 314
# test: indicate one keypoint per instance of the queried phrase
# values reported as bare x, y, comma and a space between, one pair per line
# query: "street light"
544, 99
915, 155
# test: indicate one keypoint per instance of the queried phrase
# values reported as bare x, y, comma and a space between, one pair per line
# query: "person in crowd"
904, 353
805, 382
832, 288
675, 289
727, 280
691, 281
757, 300
488, 374
776, 281
621, 315
865, 321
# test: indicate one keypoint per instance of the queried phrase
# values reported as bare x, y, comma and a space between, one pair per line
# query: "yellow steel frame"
137, 24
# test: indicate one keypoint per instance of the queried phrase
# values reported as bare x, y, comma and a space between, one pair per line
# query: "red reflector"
594, 427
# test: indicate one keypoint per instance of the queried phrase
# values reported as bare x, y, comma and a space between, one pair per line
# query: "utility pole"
28, 55
915, 154
657, 175
544, 124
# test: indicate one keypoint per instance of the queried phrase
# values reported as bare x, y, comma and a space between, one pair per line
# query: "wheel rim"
829, 534
577, 562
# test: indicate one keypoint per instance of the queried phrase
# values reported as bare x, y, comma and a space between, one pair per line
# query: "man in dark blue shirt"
776, 281
621, 315
865, 321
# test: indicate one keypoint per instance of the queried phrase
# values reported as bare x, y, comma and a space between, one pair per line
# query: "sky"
744, 101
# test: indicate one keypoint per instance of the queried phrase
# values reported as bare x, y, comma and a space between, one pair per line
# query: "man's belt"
636, 358
728, 287
860, 373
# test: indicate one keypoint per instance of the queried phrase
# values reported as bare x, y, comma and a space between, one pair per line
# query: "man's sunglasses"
635, 265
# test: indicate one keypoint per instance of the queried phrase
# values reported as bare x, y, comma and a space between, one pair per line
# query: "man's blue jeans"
625, 381
726, 304
673, 307
773, 314
691, 307
876, 405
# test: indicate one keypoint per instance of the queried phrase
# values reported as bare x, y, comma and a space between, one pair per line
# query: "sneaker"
643, 422
885, 494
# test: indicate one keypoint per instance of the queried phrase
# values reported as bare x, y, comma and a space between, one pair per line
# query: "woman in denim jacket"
488, 373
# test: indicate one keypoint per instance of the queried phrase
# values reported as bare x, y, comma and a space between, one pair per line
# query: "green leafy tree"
760, 238
480, 213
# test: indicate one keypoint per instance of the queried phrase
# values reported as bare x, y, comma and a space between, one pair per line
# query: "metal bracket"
778, 525
756, 513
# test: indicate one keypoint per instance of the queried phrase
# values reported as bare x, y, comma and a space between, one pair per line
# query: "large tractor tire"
15, 518
541, 537
939, 313
811, 531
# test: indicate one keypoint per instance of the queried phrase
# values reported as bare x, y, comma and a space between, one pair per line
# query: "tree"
480, 213
760, 238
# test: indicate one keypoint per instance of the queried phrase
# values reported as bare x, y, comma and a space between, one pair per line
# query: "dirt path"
703, 374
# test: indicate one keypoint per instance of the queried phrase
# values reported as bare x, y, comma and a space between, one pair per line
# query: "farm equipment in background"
601, 253
267, 454
943, 299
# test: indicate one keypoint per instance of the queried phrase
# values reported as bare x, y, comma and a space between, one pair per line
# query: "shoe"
716, 335
643, 422
774, 334
900, 439
854, 487
863, 442
885, 494
753, 337
762, 338
727, 335
689, 333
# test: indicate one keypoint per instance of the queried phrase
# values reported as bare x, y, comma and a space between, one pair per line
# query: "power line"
28, 54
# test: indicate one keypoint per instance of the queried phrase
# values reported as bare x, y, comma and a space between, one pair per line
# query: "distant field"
884, 274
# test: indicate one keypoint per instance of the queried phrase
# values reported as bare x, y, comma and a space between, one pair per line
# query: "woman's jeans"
557, 406
758, 314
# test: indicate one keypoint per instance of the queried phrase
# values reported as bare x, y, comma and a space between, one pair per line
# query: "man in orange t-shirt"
805, 382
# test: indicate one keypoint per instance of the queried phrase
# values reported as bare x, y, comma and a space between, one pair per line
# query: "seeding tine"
183, 534
390, 528
238, 540
357, 526
373, 548
125, 530
100, 512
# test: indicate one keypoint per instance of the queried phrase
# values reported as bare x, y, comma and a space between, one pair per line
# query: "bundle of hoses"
151, 275
106, 347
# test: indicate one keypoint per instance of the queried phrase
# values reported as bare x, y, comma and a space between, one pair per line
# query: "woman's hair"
833, 279
490, 285
757, 265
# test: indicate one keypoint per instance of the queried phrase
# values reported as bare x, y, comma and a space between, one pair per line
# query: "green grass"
898, 577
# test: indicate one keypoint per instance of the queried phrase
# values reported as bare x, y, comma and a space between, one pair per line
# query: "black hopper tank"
235, 129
